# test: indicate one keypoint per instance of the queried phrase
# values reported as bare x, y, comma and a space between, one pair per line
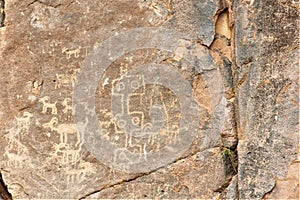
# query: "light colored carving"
79, 173
66, 79
16, 152
47, 105
66, 105
67, 154
16, 159
24, 122
70, 53
63, 129
16, 133
51, 123
66, 129
63, 79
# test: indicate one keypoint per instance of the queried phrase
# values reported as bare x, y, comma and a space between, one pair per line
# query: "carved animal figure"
47, 105
66, 129
63, 129
51, 123
64, 79
66, 105
69, 53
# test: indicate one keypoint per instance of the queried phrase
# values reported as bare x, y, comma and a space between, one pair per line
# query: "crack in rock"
4, 193
2, 13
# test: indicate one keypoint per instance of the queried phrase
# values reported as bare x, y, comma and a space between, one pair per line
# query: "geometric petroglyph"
144, 117
147, 115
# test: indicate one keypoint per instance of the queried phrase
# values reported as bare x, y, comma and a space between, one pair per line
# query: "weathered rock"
4, 194
144, 99
46, 48
199, 176
267, 84
2, 13
288, 187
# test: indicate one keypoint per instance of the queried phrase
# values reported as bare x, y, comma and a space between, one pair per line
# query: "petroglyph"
66, 79
15, 144
152, 105
24, 122
17, 159
19, 129
67, 155
66, 151
47, 105
16, 151
71, 52
63, 129
67, 129
66, 105
55, 38
142, 119
51, 123
80, 173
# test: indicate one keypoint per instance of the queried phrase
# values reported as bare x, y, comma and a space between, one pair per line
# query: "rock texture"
44, 47
267, 84
236, 59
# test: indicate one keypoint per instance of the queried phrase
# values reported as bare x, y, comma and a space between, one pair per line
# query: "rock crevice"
2, 13
4, 193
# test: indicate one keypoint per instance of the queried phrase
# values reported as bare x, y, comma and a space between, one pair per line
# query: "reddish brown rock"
234, 70
44, 48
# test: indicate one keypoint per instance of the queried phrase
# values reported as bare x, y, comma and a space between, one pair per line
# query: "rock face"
149, 99
267, 84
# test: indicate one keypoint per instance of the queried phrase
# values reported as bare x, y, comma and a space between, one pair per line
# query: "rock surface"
267, 84
235, 59
46, 49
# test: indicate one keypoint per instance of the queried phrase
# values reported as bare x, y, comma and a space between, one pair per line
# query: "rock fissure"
4, 193
143, 174
223, 46
252, 46
45, 4
2, 13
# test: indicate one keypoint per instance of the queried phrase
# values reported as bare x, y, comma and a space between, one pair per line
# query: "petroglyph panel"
149, 102
148, 114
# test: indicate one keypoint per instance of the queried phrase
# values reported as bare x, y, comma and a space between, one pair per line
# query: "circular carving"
140, 119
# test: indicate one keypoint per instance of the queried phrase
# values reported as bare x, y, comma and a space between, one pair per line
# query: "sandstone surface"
144, 99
